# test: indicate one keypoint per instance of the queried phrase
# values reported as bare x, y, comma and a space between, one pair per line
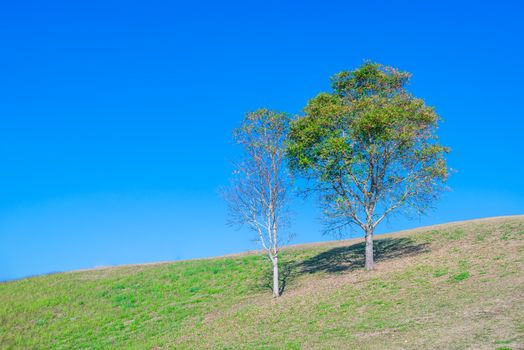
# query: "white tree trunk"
369, 250
276, 291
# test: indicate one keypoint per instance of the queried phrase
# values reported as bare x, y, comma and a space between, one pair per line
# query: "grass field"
454, 286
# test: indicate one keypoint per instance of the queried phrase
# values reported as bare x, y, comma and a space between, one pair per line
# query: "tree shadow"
349, 258
342, 259
286, 271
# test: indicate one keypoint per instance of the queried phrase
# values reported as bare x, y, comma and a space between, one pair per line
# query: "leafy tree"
257, 195
370, 148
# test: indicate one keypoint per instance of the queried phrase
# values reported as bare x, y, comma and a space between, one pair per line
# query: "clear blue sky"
116, 115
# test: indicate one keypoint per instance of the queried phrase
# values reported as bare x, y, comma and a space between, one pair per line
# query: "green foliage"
369, 143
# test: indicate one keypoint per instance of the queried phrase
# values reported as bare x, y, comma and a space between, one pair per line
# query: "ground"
453, 286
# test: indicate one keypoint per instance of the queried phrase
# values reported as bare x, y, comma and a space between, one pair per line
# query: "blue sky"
116, 116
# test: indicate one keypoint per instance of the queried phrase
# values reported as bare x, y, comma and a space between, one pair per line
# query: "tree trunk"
369, 250
276, 291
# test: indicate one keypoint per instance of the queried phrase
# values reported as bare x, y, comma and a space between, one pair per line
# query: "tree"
370, 148
257, 195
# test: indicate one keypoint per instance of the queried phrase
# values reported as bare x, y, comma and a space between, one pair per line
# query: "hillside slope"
452, 286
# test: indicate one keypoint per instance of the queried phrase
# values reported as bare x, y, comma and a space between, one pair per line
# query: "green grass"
433, 288
461, 276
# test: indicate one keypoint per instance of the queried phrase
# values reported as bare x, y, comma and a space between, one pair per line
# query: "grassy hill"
453, 286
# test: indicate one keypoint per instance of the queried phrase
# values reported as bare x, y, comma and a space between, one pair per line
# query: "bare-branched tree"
257, 194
